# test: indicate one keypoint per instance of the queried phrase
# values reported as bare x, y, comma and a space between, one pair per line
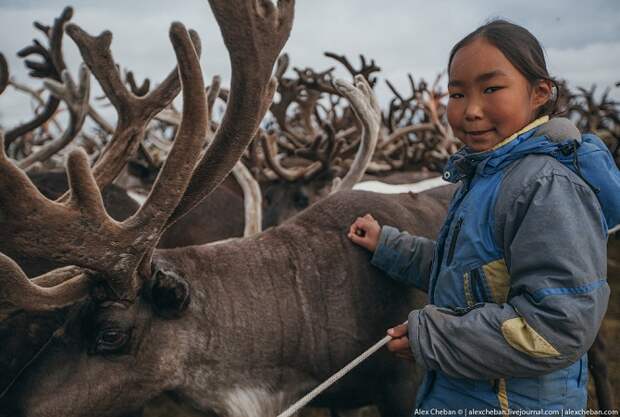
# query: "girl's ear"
541, 94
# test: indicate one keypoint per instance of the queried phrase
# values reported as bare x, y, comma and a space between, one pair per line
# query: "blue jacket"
516, 281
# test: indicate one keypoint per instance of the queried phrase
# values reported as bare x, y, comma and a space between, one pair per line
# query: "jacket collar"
466, 163
534, 124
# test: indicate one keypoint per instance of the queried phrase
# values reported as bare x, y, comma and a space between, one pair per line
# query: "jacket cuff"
384, 257
413, 328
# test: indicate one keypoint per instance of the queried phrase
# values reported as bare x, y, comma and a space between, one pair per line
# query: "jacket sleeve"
554, 242
404, 257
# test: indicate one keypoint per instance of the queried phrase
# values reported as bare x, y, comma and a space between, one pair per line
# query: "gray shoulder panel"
523, 174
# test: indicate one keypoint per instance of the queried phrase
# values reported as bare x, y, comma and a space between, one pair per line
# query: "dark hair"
521, 48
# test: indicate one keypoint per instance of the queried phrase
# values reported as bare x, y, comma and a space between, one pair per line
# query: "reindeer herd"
144, 269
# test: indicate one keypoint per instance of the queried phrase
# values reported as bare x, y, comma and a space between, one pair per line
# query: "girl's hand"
365, 232
400, 342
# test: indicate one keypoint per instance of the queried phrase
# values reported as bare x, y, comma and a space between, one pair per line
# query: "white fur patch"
416, 187
255, 402
137, 197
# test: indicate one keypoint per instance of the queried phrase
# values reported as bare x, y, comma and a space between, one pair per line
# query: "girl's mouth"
478, 132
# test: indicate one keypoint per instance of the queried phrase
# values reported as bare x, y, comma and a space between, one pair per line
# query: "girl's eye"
455, 95
490, 90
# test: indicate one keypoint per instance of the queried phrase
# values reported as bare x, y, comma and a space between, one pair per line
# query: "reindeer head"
119, 311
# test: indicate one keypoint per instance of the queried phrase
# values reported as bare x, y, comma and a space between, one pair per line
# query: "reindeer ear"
168, 293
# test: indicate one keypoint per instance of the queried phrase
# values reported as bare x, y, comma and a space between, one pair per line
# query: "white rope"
335, 377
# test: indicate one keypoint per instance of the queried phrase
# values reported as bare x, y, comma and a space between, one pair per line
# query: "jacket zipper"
453, 209
455, 236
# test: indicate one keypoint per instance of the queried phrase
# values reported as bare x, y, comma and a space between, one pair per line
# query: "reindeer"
265, 317
269, 315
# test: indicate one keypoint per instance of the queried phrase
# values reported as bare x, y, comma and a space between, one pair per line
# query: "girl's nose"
473, 110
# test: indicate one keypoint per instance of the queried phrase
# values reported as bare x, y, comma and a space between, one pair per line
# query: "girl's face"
489, 98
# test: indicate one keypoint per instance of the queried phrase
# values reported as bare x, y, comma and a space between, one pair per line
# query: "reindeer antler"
134, 112
252, 199
269, 144
254, 32
17, 292
137, 91
366, 109
79, 231
366, 69
51, 67
76, 97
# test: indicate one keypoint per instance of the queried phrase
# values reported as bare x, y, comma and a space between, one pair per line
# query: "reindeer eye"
111, 340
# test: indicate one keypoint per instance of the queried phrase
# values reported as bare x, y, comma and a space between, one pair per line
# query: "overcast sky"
581, 39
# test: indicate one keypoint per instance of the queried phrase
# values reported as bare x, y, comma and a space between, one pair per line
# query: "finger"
361, 223
398, 344
358, 230
398, 331
362, 219
357, 239
352, 229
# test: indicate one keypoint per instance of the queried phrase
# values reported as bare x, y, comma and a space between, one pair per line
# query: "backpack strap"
572, 147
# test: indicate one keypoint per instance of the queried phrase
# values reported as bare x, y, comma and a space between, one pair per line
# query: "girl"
516, 278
